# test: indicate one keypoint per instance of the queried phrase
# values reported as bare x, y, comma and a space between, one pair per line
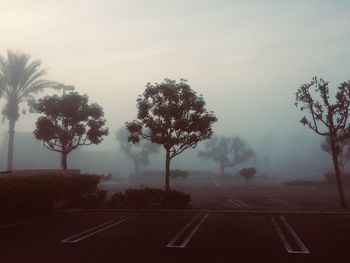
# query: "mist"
246, 59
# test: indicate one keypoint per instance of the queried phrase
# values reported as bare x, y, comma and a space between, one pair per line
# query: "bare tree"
327, 118
344, 151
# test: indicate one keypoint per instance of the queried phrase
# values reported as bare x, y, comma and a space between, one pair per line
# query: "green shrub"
150, 198
33, 194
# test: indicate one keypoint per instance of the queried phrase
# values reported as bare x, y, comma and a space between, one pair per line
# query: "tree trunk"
337, 173
64, 161
137, 169
10, 147
222, 169
167, 170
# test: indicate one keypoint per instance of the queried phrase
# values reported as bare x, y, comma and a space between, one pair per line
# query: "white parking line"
237, 202
285, 203
190, 235
96, 229
302, 247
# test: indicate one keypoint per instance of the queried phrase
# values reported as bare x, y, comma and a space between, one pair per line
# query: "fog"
247, 59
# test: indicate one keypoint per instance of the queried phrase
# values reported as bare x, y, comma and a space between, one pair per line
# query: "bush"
33, 194
150, 198
178, 174
247, 173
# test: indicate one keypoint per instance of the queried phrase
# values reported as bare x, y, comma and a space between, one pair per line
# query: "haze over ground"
247, 59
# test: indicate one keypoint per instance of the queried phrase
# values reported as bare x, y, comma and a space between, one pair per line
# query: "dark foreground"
227, 224
163, 236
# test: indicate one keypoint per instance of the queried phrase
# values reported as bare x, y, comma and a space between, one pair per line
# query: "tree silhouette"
228, 152
139, 152
327, 118
68, 122
247, 174
344, 151
173, 115
20, 79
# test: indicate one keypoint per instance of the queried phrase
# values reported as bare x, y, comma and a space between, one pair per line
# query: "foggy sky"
247, 59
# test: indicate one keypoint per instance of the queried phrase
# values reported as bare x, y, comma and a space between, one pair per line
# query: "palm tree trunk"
10, 148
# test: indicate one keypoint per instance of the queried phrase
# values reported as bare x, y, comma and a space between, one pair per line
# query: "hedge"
150, 198
33, 194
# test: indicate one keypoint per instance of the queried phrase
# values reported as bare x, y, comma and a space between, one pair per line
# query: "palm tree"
20, 79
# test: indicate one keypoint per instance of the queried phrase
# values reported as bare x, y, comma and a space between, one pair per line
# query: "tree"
327, 118
228, 152
69, 122
247, 174
344, 151
173, 115
139, 152
63, 87
20, 80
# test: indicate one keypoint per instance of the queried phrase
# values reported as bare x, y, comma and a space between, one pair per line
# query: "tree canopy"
68, 122
171, 114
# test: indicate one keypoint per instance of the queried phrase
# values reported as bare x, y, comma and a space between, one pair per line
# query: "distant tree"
69, 122
20, 80
247, 173
327, 118
228, 152
344, 151
139, 152
173, 115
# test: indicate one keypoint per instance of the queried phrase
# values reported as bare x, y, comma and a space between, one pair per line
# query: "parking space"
178, 236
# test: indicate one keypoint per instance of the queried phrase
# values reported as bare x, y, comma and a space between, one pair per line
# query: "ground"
229, 222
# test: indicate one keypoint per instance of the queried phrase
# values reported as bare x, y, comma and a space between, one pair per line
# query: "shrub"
178, 174
150, 198
247, 173
33, 194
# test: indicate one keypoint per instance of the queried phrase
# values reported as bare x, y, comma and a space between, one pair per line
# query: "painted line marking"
237, 202
190, 235
302, 247
285, 203
97, 229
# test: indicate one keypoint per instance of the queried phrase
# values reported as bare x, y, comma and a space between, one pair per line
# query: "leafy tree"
327, 118
247, 174
344, 151
173, 115
69, 122
228, 152
139, 152
20, 80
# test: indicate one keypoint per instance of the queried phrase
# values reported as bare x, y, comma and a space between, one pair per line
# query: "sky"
247, 58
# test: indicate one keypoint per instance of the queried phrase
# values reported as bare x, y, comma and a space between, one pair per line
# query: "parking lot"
180, 236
